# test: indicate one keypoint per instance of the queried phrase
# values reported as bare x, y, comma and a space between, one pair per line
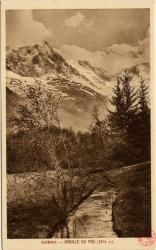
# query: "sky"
98, 35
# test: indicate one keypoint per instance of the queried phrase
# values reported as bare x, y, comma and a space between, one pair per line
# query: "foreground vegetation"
33, 213
41, 146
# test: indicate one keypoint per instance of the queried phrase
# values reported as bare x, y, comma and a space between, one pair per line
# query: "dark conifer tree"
124, 104
122, 118
144, 120
130, 107
144, 109
115, 116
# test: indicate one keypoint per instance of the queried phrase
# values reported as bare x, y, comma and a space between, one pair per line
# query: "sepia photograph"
78, 123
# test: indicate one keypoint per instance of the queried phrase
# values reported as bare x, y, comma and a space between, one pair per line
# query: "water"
92, 219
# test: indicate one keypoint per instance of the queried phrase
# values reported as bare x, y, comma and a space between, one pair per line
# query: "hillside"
132, 207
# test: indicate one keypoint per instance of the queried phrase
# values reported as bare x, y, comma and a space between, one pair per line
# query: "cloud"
145, 45
139, 51
125, 54
89, 24
119, 49
113, 58
22, 29
77, 20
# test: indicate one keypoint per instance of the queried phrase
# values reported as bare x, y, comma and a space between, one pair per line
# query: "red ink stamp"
147, 241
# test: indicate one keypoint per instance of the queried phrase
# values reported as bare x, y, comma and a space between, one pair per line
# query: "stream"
93, 218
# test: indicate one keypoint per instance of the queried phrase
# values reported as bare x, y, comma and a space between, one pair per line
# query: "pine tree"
130, 106
143, 99
122, 119
115, 116
124, 104
144, 120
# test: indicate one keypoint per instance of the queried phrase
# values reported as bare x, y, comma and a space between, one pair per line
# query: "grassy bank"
31, 208
32, 221
132, 208
32, 212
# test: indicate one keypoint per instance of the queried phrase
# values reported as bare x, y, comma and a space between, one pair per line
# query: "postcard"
78, 163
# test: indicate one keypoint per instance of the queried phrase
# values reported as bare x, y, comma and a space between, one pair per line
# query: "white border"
119, 243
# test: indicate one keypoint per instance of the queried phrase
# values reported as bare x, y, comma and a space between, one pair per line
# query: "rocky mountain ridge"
80, 84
